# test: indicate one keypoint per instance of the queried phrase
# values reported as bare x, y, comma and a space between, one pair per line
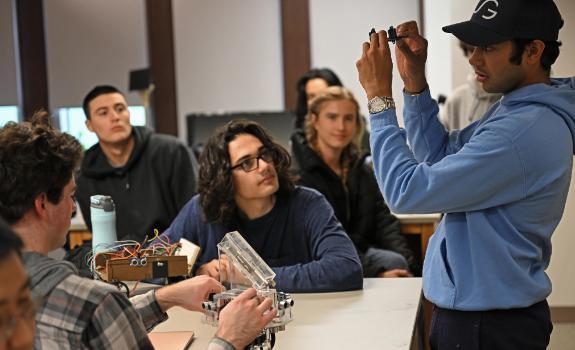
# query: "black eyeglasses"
252, 163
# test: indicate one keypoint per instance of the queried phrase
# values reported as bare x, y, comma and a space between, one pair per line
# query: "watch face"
378, 104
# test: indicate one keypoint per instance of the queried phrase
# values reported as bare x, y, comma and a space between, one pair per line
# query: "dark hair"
34, 158
215, 184
301, 109
95, 92
10, 242
548, 57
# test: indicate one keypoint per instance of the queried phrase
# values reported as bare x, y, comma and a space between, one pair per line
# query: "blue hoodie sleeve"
451, 176
335, 265
429, 140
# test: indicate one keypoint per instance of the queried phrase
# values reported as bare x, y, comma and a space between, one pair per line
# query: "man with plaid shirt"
37, 198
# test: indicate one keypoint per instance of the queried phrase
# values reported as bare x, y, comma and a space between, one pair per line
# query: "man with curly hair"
37, 189
245, 185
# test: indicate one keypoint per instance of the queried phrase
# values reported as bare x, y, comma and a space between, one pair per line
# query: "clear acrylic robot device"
241, 268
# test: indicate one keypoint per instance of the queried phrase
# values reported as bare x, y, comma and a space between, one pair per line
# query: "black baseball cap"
496, 21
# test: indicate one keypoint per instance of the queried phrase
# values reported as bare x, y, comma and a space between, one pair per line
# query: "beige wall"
562, 269
8, 91
461, 11
338, 29
92, 42
228, 57
439, 60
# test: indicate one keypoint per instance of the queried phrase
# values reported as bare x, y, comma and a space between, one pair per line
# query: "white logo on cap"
492, 13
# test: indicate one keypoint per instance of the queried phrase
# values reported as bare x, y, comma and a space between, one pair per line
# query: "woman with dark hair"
331, 161
245, 185
308, 87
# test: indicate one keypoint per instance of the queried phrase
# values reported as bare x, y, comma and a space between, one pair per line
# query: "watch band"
415, 93
379, 104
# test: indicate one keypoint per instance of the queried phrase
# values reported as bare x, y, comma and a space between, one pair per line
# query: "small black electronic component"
391, 35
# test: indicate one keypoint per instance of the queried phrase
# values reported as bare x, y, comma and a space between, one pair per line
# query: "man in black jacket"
149, 176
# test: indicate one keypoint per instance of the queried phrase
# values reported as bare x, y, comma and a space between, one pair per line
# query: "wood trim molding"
161, 58
30, 49
564, 314
295, 46
421, 23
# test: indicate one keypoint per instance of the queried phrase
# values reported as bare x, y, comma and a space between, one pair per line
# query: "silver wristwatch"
380, 104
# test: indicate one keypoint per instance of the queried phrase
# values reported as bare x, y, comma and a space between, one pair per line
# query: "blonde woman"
330, 160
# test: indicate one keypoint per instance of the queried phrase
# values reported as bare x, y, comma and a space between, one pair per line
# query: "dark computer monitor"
139, 79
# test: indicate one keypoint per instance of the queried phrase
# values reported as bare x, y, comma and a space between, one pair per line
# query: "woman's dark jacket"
362, 210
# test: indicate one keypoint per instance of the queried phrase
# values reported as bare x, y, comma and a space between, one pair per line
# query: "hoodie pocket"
446, 273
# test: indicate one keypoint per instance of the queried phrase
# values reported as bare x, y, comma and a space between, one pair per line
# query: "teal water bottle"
103, 215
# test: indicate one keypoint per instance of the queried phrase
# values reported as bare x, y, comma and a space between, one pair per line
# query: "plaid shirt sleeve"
149, 309
119, 324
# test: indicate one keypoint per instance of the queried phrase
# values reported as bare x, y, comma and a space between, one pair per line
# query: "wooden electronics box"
136, 269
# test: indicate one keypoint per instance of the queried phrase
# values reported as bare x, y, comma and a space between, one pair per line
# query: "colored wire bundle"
153, 247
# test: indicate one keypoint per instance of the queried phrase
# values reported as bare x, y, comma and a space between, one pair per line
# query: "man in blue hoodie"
502, 182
